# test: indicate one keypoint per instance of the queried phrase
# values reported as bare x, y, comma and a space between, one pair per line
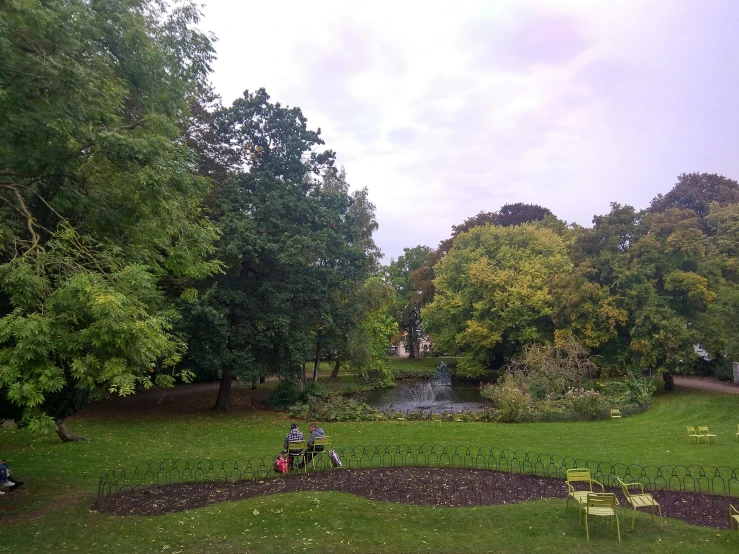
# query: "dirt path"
705, 384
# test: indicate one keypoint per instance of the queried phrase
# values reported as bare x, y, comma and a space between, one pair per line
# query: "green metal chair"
601, 505
705, 434
639, 500
296, 451
315, 450
692, 434
579, 476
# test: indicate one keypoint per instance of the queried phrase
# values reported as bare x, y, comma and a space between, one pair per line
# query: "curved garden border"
418, 474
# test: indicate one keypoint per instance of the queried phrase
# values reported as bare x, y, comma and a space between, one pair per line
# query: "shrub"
514, 405
334, 408
587, 403
288, 392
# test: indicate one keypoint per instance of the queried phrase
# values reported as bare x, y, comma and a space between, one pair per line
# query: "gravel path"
705, 384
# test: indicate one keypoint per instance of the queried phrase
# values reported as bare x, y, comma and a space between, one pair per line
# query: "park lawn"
426, 363
61, 480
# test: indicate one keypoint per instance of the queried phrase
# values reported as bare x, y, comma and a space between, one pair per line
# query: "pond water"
427, 396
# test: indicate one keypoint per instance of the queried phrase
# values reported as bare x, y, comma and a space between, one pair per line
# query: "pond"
426, 396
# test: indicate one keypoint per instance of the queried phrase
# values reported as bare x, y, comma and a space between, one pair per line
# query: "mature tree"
696, 191
409, 300
98, 198
295, 242
492, 295
520, 213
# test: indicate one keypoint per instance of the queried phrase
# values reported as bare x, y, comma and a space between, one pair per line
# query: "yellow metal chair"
615, 414
296, 451
398, 416
705, 434
737, 433
437, 419
639, 499
733, 517
318, 448
601, 505
692, 434
579, 476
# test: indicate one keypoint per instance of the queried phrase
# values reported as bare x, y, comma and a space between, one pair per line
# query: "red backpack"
281, 464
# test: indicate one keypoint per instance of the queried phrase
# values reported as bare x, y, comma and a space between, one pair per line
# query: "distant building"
426, 347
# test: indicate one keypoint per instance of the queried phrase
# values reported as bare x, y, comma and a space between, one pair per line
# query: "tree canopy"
99, 200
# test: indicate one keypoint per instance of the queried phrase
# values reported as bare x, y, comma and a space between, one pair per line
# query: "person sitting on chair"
315, 433
6, 480
295, 434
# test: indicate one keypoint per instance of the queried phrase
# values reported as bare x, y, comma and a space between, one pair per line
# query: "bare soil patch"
448, 487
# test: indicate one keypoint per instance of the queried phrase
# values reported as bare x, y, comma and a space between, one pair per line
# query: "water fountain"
436, 396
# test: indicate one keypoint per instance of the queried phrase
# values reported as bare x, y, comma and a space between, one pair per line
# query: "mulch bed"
452, 487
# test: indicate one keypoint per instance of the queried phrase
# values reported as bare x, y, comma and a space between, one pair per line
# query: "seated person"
295, 434
315, 432
5, 480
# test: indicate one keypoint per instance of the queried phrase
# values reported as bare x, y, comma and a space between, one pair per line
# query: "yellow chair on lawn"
703, 432
579, 476
296, 450
436, 418
639, 499
615, 414
602, 505
398, 416
737, 433
733, 517
318, 448
692, 434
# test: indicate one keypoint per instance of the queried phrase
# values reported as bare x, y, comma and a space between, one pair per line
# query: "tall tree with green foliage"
99, 201
409, 300
295, 243
492, 294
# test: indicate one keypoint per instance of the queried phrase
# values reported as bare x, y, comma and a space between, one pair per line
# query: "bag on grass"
281, 464
334, 457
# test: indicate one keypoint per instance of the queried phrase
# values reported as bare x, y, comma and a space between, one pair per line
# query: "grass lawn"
51, 511
429, 363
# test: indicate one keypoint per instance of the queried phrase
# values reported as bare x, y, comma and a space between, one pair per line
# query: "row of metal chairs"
702, 435
603, 504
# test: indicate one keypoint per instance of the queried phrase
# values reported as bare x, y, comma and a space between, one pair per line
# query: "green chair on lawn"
705, 434
692, 434
639, 499
601, 505
296, 451
318, 448
577, 475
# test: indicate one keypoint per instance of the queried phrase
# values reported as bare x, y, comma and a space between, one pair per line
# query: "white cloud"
446, 111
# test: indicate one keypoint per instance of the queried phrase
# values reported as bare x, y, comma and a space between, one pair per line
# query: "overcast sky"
443, 110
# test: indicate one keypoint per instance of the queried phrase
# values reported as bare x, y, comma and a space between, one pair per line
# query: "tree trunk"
254, 382
223, 402
65, 434
669, 381
335, 371
317, 360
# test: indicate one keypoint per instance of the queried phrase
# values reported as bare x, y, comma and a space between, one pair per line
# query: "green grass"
429, 364
61, 480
